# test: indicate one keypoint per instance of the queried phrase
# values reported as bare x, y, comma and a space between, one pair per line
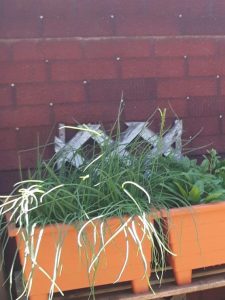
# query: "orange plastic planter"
76, 260
196, 235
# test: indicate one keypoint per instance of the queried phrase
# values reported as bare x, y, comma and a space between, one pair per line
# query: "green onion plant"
109, 183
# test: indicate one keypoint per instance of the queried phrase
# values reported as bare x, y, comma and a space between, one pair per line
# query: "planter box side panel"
197, 238
75, 260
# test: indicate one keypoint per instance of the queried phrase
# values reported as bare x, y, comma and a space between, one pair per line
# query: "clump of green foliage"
108, 184
194, 183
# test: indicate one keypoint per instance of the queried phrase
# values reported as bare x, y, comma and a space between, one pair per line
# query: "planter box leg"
140, 286
183, 277
39, 297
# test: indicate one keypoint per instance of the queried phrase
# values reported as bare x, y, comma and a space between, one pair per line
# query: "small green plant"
197, 183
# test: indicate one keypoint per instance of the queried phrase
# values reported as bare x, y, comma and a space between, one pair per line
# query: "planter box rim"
54, 228
193, 209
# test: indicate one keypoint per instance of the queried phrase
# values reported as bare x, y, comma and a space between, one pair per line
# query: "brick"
8, 139
220, 105
86, 112
20, 28
222, 85
24, 116
152, 68
207, 67
140, 25
146, 110
26, 50
223, 124
186, 87
29, 159
198, 8
207, 125
105, 90
54, 8
13, 160
139, 111
203, 25
46, 93
118, 47
106, 7
206, 106
139, 89
7, 180
79, 26
184, 7
202, 143
5, 96
22, 72
203, 106
143, 110
219, 8
9, 159
12, 9
47, 49
185, 46
175, 108
59, 27
34, 137
102, 69
221, 46
112, 90
176, 7
157, 8
4, 52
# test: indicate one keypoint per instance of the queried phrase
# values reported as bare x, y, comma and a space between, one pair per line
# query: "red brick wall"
66, 60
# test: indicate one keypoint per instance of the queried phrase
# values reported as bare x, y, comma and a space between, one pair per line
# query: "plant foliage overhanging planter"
87, 226
94, 225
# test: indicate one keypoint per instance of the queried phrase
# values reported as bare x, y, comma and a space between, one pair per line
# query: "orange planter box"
196, 236
76, 260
